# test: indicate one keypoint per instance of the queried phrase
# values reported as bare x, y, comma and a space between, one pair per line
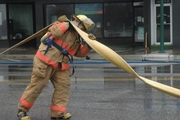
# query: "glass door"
139, 24
167, 24
3, 22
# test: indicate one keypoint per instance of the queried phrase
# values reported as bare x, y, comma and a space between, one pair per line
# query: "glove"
87, 57
44, 37
91, 36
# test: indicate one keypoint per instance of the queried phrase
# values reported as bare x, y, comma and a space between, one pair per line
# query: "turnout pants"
41, 75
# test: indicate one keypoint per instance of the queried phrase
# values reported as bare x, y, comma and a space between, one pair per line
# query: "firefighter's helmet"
87, 23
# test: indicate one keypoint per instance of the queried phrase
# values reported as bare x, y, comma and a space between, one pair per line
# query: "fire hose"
117, 60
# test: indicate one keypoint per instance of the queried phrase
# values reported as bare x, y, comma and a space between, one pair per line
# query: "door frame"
154, 25
135, 20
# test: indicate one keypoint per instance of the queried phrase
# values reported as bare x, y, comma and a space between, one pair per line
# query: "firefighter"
51, 62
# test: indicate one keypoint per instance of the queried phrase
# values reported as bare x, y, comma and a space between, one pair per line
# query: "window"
53, 11
3, 22
94, 12
165, 1
20, 21
138, 24
118, 20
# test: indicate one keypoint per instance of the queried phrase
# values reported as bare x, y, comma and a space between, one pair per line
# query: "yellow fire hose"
117, 60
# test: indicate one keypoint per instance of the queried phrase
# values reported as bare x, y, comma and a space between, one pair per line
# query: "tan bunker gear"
51, 63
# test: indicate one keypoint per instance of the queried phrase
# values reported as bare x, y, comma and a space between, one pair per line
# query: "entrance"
167, 24
138, 24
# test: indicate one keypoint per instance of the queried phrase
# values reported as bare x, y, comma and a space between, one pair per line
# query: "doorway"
167, 24
138, 24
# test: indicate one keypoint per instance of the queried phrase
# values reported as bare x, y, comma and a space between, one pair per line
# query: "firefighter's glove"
91, 36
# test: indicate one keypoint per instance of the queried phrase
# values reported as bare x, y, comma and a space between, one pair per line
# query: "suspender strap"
47, 42
65, 52
50, 42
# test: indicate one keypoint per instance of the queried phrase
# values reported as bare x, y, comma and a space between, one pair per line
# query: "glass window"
165, 1
20, 21
3, 22
138, 24
53, 11
93, 11
138, 3
167, 35
118, 19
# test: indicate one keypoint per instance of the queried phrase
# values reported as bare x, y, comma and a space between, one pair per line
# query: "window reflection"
93, 11
53, 11
166, 15
3, 22
138, 24
167, 35
118, 20
20, 21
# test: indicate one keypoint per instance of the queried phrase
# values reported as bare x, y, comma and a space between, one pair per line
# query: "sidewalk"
125, 53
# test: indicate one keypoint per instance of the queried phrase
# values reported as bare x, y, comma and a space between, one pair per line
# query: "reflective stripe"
51, 62
62, 27
71, 51
64, 45
25, 103
48, 34
46, 59
51, 37
58, 108
65, 66
84, 50
61, 43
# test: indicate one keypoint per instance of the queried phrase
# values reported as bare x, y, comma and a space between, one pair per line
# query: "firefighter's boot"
23, 115
66, 116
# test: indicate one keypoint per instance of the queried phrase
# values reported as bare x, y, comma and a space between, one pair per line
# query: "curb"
95, 56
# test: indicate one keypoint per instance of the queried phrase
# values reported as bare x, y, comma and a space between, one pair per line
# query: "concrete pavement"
101, 93
95, 99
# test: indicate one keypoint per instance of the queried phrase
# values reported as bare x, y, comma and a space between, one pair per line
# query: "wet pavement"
100, 91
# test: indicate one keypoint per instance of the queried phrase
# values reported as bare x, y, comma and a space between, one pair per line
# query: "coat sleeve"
58, 29
83, 50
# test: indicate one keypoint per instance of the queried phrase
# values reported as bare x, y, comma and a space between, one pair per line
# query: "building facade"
118, 22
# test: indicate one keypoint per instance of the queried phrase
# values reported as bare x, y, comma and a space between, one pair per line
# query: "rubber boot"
23, 115
66, 116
